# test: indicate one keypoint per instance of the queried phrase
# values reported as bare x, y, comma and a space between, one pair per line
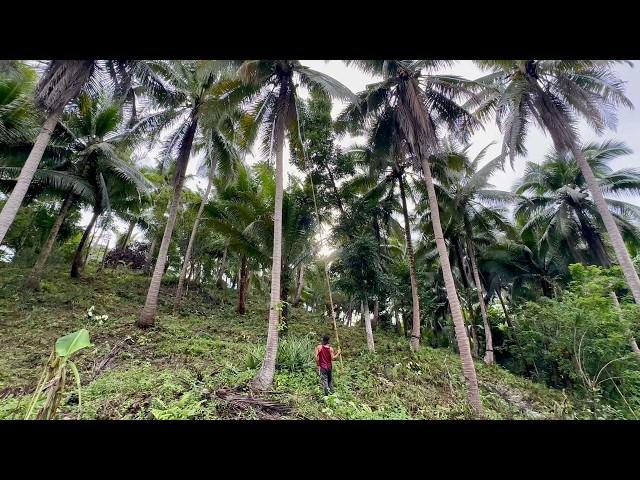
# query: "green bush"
295, 354
580, 340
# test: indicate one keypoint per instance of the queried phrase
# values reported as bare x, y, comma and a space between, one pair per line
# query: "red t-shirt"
324, 357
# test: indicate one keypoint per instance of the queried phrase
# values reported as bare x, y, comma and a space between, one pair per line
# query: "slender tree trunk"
415, 301
242, 285
264, 377
93, 237
127, 237
151, 304
400, 323
76, 265
507, 317
223, 266
150, 255
367, 326
630, 274
194, 231
300, 285
350, 312
468, 368
106, 250
376, 313
632, 340
19, 191
33, 281
489, 358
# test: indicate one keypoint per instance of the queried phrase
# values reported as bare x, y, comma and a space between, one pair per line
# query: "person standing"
324, 357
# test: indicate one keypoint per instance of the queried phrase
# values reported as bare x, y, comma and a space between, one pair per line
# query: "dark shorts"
326, 380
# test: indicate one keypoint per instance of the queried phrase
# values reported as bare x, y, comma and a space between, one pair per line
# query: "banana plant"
53, 378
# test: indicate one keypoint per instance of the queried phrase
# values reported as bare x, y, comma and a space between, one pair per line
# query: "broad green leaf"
69, 344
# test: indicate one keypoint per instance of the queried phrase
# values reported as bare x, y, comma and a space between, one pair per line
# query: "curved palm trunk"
489, 358
194, 231
415, 301
468, 368
223, 266
632, 340
93, 237
14, 201
78, 258
367, 325
624, 259
151, 304
33, 281
300, 286
264, 377
127, 237
507, 317
243, 283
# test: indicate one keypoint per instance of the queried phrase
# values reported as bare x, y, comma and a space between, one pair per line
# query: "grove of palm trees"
176, 237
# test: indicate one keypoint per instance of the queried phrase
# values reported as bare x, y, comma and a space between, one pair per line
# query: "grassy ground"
185, 366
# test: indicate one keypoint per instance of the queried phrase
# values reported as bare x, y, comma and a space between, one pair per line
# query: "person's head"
325, 340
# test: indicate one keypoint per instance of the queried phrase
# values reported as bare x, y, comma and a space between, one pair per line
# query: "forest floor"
197, 364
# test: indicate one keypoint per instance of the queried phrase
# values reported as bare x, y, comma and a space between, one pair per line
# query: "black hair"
325, 339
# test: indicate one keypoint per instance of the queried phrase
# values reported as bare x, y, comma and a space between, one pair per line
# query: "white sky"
537, 143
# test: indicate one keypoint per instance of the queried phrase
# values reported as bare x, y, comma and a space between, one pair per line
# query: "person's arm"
334, 355
316, 355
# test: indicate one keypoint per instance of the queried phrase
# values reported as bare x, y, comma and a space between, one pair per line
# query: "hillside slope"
196, 365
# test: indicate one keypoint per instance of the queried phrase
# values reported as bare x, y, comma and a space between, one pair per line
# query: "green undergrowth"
181, 368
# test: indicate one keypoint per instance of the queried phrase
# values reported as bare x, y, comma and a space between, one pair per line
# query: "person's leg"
330, 380
324, 381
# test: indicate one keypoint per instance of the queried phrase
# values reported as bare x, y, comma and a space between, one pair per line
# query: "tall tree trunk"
350, 312
90, 244
415, 301
223, 266
632, 340
300, 285
104, 255
489, 358
367, 326
376, 313
150, 255
77, 264
624, 259
242, 287
194, 231
399, 323
468, 368
507, 317
151, 304
125, 239
19, 191
33, 281
264, 377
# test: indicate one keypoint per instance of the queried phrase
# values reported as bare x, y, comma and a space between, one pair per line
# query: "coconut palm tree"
558, 202
91, 143
242, 213
474, 212
270, 86
187, 89
222, 148
416, 102
60, 83
102, 146
555, 94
